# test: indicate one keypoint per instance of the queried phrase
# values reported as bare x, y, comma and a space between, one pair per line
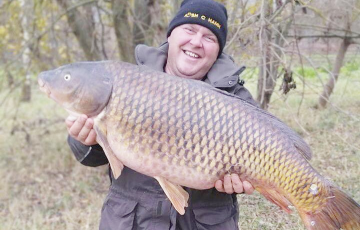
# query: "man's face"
193, 49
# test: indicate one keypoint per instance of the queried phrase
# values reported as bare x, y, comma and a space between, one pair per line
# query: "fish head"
80, 88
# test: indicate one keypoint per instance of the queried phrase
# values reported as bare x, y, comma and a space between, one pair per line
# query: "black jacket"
137, 201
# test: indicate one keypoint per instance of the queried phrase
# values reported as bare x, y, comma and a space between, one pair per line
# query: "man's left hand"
232, 183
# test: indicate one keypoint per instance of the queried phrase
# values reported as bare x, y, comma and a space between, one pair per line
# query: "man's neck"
168, 70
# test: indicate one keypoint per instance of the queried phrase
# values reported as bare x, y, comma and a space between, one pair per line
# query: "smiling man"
193, 49
196, 39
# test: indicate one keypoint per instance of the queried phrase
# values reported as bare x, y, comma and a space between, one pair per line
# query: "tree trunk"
330, 85
271, 55
142, 21
83, 27
265, 81
10, 78
122, 27
26, 22
159, 24
175, 7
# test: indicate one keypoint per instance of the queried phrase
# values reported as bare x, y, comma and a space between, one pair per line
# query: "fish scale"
184, 132
211, 122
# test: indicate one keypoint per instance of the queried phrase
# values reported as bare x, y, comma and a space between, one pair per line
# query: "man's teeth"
191, 54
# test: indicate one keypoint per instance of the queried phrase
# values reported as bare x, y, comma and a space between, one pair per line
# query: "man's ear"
169, 37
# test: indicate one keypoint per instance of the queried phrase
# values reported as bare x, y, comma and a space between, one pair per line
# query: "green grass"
44, 187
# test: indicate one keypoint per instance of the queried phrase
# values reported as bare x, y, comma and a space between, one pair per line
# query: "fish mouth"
43, 87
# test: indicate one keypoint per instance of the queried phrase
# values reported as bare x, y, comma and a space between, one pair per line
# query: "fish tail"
340, 212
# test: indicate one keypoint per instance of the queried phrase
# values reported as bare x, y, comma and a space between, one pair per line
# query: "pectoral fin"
115, 164
176, 194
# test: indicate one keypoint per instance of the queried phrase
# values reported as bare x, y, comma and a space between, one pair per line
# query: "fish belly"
141, 160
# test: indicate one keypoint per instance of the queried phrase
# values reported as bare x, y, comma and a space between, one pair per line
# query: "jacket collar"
223, 74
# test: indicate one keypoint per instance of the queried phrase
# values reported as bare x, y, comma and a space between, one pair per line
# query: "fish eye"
67, 77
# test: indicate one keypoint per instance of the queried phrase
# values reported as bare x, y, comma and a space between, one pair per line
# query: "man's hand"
81, 129
232, 183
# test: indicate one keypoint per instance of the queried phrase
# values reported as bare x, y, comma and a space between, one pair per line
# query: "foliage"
306, 72
351, 68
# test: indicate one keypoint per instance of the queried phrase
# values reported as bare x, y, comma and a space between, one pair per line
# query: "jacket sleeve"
87, 155
243, 93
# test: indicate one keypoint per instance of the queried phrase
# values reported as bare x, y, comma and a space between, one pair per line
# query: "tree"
272, 39
83, 26
142, 20
122, 27
334, 26
26, 25
344, 21
334, 75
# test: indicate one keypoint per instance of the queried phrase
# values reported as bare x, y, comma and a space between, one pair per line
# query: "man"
196, 38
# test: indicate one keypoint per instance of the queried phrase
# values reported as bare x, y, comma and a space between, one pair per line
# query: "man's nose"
196, 40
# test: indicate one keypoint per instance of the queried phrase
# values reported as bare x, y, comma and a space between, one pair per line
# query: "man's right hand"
81, 129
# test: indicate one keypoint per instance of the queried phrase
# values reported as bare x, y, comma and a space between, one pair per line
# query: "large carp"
187, 133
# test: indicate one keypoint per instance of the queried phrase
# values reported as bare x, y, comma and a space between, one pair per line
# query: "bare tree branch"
324, 36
